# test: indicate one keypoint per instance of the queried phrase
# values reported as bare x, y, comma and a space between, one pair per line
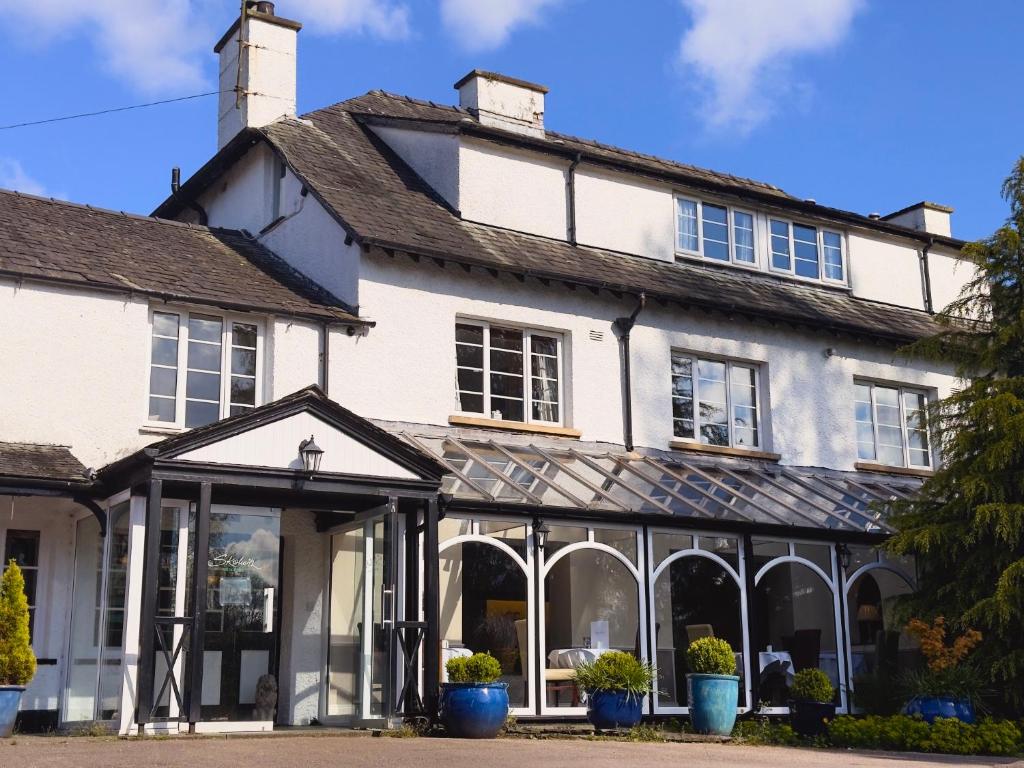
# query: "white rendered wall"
242, 198
410, 358
624, 214
292, 356
884, 271
434, 156
501, 186
948, 276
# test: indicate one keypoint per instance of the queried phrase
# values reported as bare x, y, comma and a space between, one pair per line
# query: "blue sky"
867, 105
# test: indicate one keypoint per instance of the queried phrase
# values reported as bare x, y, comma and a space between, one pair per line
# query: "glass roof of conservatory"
569, 474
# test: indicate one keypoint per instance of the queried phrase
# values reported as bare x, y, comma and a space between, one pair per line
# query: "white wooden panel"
277, 445
254, 665
211, 678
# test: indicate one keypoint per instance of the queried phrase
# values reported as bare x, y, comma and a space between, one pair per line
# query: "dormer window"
806, 251
715, 231
203, 367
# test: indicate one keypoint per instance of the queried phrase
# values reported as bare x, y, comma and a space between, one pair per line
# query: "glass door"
363, 604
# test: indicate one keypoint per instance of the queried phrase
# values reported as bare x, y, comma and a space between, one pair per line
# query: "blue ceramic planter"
931, 707
713, 700
10, 698
609, 710
474, 710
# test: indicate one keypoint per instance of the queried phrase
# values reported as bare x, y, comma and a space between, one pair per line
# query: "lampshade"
868, 612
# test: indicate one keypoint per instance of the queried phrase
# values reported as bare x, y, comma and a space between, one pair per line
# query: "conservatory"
551, 552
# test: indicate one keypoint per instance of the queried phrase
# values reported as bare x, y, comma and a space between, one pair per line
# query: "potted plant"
474, 705
812, 704
712, 687
948, 686
615, 684
17, 662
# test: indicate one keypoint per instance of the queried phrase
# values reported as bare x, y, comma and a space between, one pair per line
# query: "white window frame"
228, 320
901, 390
820, 242
730, 225
528, 333
695, 358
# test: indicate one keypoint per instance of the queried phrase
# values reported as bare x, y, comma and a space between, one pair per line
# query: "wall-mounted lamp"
311, 454
844, 555
540, 534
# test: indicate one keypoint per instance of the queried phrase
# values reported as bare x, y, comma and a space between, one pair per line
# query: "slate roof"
40, 462
53, 240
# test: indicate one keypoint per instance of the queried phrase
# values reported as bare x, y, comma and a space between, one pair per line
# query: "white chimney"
257, 71
503, 102
924, 217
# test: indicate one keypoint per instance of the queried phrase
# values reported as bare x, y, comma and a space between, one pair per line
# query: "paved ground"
358, 751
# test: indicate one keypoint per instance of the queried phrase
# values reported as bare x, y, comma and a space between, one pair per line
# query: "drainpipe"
176, 187
926, 276
570, 200
624, 325
325, 358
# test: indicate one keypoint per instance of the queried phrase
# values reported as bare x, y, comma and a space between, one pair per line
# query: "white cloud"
164, 46
13, 176
382, 18
742, 50
483, 24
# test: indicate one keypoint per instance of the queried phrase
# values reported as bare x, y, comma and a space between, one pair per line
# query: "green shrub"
762, 730
711, 656
17, 662
615, 671
812, 685
948, 736
478, 668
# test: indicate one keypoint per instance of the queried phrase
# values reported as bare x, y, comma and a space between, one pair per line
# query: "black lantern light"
844, 555
540, 534
311, 454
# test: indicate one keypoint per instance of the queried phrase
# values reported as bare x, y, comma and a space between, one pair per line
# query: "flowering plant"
948, 671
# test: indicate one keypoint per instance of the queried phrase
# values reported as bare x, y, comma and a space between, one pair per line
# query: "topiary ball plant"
812, 685
478, 668
615, 671
17, 662
711, 656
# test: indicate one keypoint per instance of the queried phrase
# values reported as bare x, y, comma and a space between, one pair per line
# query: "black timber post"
431, 609
753, 638
200, 563
846, 670
147, 619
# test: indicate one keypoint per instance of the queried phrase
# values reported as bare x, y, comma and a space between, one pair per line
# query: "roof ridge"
125, 214
36, 445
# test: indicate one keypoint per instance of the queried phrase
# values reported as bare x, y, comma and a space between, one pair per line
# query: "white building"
604, 400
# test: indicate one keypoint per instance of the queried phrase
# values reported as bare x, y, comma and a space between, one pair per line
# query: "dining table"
570, 658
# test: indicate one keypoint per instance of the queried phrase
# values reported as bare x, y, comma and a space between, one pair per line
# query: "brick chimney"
503, 102
257, 71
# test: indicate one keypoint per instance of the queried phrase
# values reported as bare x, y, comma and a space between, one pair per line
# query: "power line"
108, 111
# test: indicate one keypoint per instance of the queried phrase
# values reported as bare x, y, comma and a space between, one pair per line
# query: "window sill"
513, 426
721, 450
867, 466
160, 429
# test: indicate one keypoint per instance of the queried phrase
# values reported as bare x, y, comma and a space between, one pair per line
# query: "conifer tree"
966, 526
17, 662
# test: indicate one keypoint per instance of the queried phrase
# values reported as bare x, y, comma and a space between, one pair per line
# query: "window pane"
205, 328
163, 381
544, 378
161, 409
780, 244
469, 334
744, 405
243, 391
506, 362
805, 249
716, 233
743, 236
507, 409
714, 420
243, 361
466, 355
203, 386
165, 324
22, 547
687, 218
833, 255
471, 381
865, 422
205, 357
243, 335
507, 338
914, 408
544, 345
682, 397
198, 413
165, 351
471, 403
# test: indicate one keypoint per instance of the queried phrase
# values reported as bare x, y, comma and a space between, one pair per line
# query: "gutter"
624, 325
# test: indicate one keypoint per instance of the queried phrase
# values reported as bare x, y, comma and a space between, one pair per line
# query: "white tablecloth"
570, 658
451, 653
780, 661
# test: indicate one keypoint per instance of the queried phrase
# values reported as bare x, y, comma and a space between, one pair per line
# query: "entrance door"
360, 650
240, 648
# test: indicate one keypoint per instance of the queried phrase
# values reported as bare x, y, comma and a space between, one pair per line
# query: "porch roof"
572, 476
35, 461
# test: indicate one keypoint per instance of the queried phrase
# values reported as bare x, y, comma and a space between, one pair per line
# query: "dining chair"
555, 680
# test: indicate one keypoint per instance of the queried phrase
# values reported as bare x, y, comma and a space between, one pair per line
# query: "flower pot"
608, 710
10, 698
474, 710
811, 718
713, 700
931, 707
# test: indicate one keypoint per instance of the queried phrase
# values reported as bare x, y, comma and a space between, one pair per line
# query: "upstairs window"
715, 231
715, 402
510, 374
202, 368
806, 251
892, 427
